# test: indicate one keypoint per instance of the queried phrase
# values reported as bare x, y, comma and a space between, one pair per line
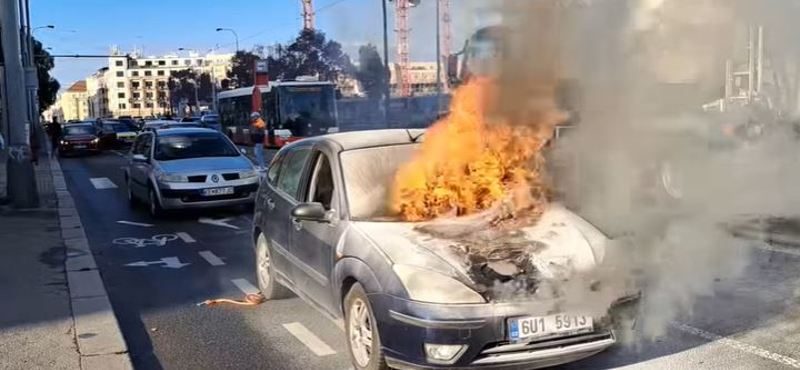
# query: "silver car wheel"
360, 332
263, 262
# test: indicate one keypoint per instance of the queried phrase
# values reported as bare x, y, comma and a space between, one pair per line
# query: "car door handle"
297, 224
270, 204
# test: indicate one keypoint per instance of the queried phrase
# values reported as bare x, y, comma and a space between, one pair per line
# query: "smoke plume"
645, 163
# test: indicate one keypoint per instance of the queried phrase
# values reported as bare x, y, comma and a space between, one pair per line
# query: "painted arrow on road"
166, 262
222, 222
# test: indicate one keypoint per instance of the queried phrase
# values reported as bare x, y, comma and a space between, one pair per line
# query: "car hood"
79, 137
560, 238
239, 163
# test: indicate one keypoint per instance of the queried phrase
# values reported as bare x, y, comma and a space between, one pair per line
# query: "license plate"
80, 146
217, 191
526, 328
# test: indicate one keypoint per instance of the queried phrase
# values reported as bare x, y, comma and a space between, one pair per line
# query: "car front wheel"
363, 338
270, 288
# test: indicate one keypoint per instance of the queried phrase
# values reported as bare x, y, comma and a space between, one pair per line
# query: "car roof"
85, 124
368, 138
183, 130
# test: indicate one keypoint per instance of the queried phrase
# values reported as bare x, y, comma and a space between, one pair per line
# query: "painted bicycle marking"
157, 240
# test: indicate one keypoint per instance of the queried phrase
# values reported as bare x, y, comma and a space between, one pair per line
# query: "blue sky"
162, 26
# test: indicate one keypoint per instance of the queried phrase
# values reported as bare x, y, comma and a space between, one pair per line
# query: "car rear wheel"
270, 288
363, 338
155, 207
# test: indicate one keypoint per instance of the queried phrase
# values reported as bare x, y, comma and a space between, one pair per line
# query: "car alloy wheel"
363, 337
270, 288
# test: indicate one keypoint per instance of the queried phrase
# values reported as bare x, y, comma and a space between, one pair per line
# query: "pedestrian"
257, 127
54, 130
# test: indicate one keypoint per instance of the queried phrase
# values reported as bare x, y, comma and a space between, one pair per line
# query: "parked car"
125, 135
84, 138
188, 168
181, 125
155, 125
323, 230
211, 120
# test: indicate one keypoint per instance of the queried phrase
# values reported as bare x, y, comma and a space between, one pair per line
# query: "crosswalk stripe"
101, 183
211, 258
308, 338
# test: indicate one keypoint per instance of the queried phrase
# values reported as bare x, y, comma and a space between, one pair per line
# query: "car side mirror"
243, 151
310, 212
139, 158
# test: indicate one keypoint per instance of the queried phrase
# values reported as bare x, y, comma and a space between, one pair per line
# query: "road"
156, 270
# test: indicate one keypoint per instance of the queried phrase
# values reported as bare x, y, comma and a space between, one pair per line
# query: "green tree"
314, 55
182, 85
48, 86
371, 72
242, 64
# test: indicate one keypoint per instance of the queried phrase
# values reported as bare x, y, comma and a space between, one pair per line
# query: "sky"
159, 26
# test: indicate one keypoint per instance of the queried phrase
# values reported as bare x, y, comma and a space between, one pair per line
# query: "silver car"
188, 168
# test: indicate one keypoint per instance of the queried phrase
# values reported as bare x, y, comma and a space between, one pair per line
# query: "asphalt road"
154, 283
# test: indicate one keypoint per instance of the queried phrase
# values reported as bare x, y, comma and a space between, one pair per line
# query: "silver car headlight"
166, 177
432, 287
247, 174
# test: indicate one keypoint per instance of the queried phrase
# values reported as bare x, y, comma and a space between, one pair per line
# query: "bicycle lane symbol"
157, 241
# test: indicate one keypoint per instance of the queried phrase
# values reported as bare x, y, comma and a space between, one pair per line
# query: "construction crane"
446, 38
308, 14
403, 60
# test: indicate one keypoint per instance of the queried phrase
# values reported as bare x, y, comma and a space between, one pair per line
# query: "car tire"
363, 338
153, 204
270, 288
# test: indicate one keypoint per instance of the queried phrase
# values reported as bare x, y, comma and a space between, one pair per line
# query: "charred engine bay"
499, 257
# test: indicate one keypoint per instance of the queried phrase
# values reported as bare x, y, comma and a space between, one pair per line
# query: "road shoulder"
97, 332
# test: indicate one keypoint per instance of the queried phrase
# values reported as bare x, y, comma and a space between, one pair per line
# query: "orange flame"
473, 160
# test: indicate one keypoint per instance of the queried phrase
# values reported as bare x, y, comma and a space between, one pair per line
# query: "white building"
73, 104
137, 85
422, 75
97, 92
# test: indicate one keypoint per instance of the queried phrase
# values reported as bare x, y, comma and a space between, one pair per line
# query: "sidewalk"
54, 315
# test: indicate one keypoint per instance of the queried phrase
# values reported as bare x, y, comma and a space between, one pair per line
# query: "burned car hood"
556, 245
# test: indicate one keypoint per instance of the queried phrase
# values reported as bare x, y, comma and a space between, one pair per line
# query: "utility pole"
21, 177
403, 59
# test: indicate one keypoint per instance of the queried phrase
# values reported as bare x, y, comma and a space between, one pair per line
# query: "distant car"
323, 229
211, 120
155, 125
84, 138
190, 119
284, 137
125, 134
181, 125
188, 168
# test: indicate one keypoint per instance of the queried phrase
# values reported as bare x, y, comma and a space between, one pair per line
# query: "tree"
48, 86
182, 85
313, 55
371, 72
242, 64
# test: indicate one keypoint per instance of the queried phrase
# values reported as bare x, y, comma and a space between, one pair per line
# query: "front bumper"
78, 147
406, 325
193, 198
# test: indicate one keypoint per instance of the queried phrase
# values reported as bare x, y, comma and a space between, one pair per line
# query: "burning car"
465, 292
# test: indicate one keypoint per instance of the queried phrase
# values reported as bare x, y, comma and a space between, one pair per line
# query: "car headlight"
247, 174
165, 177
432, 287
63, 142
96, 140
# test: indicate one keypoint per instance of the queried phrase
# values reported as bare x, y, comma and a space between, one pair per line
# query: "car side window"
274, 169
321, 188
137, 145
147, 144
292, 171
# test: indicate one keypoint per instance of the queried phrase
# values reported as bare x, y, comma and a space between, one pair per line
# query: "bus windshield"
307, 110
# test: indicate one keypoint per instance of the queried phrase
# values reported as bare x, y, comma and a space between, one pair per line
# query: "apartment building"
138, 85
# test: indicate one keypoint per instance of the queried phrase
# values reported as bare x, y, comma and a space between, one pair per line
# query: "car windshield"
116, 127
79, 130
194, 145
368, 177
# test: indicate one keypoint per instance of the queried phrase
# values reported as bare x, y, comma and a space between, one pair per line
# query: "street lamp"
50, 26
235, 35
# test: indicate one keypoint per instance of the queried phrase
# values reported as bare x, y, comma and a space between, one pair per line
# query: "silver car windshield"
194, 145
368, 176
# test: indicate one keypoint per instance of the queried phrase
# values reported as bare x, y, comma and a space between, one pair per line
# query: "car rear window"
194, 145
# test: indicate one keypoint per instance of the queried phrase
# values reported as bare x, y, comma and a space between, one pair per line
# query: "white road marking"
185, 237
245, 286
744, 347
778, 249
101, 183
308, 338
222, 222
166, 262
134, 223
211, 258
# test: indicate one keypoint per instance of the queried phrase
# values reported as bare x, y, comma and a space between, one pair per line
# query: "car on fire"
410, 299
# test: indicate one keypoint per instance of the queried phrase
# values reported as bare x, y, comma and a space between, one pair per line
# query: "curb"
97, 333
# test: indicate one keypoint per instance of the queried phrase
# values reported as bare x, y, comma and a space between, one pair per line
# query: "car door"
140, 171
280, 198
314, 243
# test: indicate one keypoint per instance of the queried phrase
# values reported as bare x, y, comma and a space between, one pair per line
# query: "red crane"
401, 20
446, 36
308, 14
